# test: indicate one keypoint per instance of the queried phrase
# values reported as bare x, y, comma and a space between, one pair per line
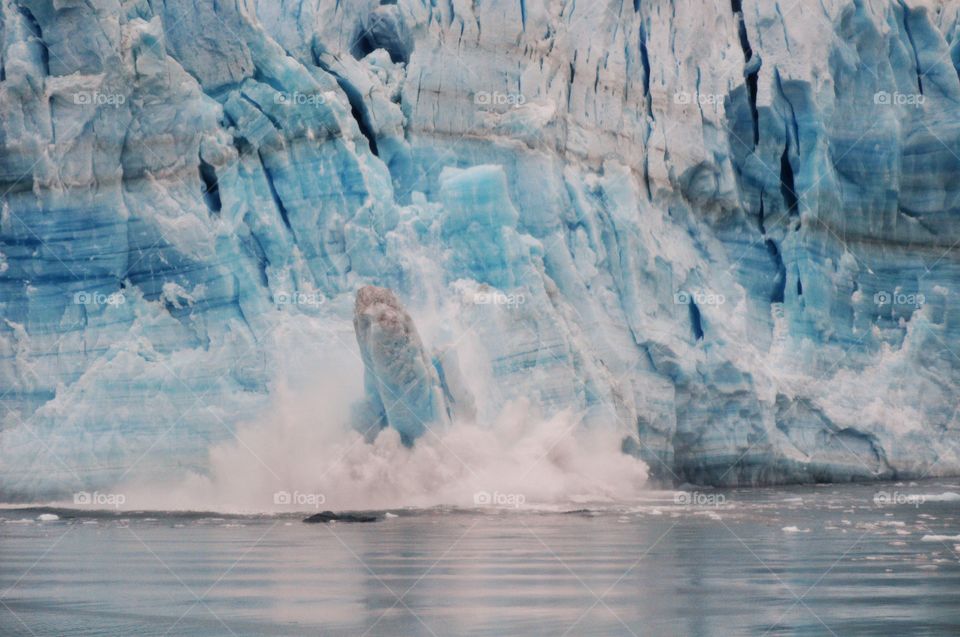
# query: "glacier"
726, 230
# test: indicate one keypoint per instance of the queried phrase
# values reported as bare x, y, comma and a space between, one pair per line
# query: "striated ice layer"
728, 231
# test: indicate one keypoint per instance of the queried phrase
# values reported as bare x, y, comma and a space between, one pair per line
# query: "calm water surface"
831, 560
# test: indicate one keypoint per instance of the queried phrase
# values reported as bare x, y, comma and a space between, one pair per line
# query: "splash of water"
302, 454
304, 458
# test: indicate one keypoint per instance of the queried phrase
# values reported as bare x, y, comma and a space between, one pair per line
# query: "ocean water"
880, 559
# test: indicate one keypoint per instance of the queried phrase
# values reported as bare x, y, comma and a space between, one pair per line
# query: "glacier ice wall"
728, 230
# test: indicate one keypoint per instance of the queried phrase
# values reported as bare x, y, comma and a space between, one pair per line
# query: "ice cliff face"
729, 230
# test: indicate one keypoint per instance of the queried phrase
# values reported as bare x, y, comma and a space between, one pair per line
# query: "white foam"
940, 538
305, 446
948, 496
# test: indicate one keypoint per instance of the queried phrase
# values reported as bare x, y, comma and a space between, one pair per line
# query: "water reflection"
777, 562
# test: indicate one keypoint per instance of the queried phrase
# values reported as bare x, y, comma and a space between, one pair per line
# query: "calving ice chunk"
728, 242
403, 389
